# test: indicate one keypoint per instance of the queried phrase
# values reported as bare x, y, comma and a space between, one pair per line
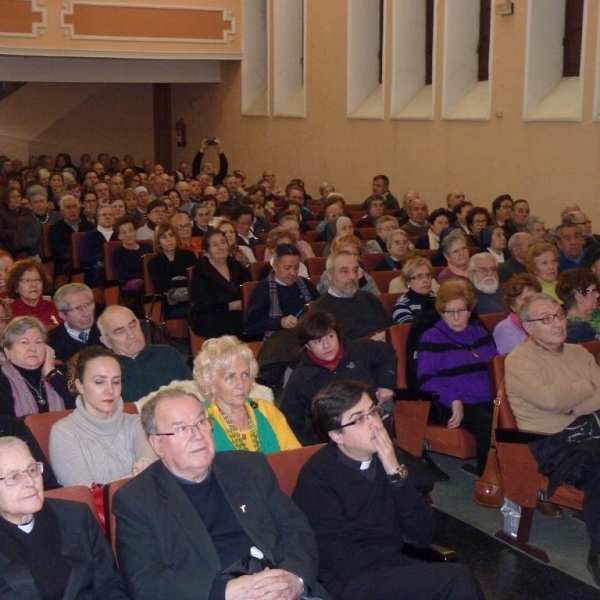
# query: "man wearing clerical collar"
363, 503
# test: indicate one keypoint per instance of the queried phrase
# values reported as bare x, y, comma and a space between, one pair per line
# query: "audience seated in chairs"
243, 254
56, 548
29, 381
168, 271
349, 243
283, 235
509, 333
148, 533
92, 246
76, 308
552, 386
452, 361
216, 297
240, 422
359, 313
327, 357
144, 367
273, 312
27, 280
97, 442
384, 226
128, 264
418, 275
363, 503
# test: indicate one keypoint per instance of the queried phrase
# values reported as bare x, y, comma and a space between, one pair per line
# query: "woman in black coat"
216, 293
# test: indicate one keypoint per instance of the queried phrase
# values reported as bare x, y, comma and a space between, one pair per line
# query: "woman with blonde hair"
224, 371
542, 261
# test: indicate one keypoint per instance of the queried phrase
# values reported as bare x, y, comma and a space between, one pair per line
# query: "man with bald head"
145, 367
417, 224
518, 245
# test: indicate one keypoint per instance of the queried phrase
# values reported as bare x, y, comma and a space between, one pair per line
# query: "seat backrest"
397, 337
46, 251
506, 417
491, 320
259, 251
317, 247
383, 279
366, 233
76, 238
41, 424
593, 348
75, 493
316, 265
148, 283
109, 248
372, 259
388, 301
247, 289
288, 464
256, 268
110, 489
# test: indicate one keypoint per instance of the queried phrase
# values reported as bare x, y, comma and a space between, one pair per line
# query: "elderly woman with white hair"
224, 371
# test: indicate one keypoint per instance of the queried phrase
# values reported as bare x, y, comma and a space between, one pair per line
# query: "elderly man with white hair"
483, 273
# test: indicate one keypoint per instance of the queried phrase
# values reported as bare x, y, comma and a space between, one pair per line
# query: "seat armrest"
516, 436
405, 394
432, 553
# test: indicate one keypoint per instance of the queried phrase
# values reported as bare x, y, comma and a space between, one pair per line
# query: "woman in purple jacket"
452, 360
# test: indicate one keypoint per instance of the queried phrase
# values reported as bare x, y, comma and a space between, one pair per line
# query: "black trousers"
415, 580
477, 420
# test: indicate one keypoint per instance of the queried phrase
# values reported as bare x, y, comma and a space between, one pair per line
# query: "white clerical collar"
27, 527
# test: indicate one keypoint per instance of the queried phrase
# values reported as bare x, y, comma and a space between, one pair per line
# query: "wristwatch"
400, 474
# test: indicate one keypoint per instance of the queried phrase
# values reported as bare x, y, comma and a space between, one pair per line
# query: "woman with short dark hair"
327, 357
578, 290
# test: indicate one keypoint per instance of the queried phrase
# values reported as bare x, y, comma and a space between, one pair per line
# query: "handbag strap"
496, 413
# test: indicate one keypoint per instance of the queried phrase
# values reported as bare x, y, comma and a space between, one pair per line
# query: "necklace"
459, 345
45, 220
38, 395
237, 437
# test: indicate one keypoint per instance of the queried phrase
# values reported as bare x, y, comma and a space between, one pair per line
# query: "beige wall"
116, 119
547, 163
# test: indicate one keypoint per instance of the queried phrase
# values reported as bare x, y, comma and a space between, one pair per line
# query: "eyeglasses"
81, 308
184, 432
362, 419
421, 277
479, 221
486, 270
583, 223
29, 281
549, 318
184, 226
455, 313
590, 290
15, 477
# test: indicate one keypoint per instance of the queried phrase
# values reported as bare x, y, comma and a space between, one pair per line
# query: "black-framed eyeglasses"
362, 419
549, 318
184, 432
15, 477
459, 312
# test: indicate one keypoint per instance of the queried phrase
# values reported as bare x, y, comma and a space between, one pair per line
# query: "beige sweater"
547, 391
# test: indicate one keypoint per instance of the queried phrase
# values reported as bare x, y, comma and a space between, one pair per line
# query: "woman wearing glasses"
454, 248
224, 372
418, 275
29, 382
27, 280
578, 290
49, 548
452, 360
97, 442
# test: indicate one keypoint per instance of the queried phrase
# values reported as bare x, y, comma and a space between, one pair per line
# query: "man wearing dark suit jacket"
205, 526
75, 305
49, 548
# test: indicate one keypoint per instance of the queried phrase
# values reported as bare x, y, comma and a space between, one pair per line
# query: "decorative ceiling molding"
144, 23
22, 18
